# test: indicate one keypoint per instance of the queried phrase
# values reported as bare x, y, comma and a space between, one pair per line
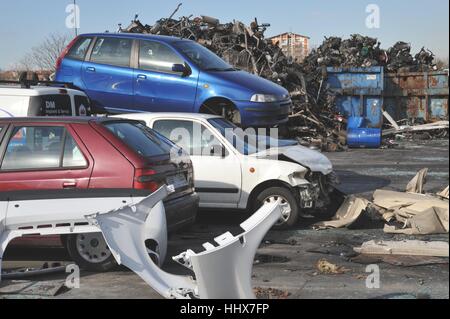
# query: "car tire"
289, 205
225, 109
90, 252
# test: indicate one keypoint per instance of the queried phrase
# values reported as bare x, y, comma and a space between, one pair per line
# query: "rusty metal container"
359, 93
418, 96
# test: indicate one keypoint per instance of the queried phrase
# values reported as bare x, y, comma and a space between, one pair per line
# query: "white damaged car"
239, 170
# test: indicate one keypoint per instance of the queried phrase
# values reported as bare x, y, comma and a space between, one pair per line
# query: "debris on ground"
431, 128
402, 261
325, 267
410, 213
314, 122
405, 248
34, 288
416, 185
46, 269
413, 214
335, 249
444, 193
347, 214
271, 293
270, 259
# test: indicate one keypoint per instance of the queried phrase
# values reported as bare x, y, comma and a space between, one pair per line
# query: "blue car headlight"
264, 98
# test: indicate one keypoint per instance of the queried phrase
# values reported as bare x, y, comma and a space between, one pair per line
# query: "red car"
51, 158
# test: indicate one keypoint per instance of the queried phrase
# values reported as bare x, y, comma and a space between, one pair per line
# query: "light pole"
76, 16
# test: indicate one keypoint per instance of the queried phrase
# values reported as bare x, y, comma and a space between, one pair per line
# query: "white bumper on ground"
222, 271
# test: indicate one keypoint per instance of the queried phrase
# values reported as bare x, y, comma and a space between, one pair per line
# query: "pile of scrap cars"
129, 221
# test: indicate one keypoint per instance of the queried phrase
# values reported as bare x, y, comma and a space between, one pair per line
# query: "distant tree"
44, 55
24, 64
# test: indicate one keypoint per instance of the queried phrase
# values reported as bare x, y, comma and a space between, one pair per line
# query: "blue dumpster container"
359, 93
359, 97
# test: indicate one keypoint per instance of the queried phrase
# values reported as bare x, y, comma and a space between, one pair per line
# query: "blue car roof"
162, 38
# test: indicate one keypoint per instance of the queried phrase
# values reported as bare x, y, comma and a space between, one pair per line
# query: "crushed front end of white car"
315, 179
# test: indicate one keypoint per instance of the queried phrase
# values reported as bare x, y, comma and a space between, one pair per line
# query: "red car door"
42, 157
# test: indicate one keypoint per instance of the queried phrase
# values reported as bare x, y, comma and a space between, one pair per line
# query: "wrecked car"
160, 73
239, 171
68, 166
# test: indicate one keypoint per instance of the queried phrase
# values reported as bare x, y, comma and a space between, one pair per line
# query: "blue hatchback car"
124, 73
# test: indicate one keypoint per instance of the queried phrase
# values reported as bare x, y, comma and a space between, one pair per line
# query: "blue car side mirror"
181, 68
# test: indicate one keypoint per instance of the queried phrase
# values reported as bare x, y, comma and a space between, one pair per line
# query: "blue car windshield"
202, 57
245, 142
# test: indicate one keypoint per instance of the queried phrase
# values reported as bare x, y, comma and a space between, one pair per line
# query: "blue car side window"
154, 56
112, 51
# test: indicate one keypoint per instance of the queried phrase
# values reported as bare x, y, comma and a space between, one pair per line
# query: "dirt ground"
285, 266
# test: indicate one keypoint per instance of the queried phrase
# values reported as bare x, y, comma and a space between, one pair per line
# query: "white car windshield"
248, 141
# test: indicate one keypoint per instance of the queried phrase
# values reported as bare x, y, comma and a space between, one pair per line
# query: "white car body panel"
226, 175
52, 217
222, 272
39, 213
126, 230
309, 158
225, 272
218, 172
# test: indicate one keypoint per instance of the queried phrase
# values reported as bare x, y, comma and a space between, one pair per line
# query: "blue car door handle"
142, 77
90, 69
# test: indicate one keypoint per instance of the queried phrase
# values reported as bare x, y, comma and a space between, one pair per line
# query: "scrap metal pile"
361, 51
314, 120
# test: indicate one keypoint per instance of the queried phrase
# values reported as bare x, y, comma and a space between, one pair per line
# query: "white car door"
217, 170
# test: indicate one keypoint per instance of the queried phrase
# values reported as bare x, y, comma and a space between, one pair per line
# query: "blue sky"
25, 23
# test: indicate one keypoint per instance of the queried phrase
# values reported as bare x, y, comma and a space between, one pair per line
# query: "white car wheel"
93, 248
286, 209
90, 252
289, 205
